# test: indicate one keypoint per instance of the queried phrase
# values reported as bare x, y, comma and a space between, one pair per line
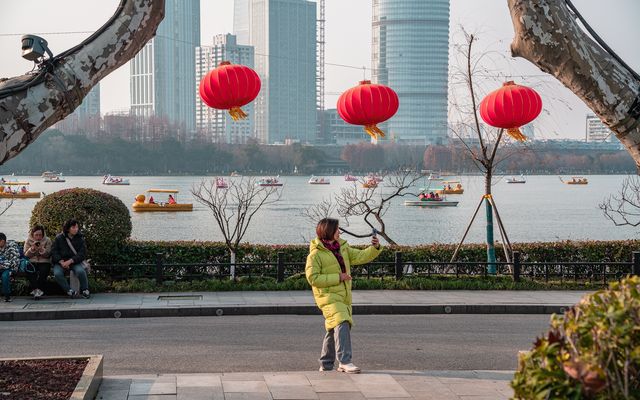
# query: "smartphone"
37, 244
374, 232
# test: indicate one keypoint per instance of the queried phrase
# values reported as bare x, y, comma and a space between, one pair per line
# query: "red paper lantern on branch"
229, 87
368, 104
511, 107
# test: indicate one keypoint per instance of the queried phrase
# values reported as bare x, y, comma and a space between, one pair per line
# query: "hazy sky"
348, 30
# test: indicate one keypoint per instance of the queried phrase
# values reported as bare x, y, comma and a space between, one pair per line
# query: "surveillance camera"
34, 48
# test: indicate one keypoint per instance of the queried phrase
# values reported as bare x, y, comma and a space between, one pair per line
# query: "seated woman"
68, 253
37, 248
9, 262
151, 200
172, 200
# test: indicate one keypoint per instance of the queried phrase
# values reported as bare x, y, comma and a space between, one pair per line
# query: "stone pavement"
380, 385
135, 305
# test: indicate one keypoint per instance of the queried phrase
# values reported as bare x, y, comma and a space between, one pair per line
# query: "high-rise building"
596, 130
283, 33
163, 72
213, 125
84, 120
241, 21
410, 53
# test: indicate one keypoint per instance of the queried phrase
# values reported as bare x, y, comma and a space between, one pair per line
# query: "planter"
87, 379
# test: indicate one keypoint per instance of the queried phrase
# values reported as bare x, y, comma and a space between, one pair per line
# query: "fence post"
398, 263
280, 270
159, 267
635, 259
516, 266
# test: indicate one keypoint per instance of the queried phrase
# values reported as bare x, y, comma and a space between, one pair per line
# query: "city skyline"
348, 43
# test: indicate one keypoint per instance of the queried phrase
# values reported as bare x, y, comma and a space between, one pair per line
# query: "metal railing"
562, 272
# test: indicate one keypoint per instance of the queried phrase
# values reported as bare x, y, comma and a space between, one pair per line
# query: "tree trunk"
547, 34
491, 248
31, 103
232, 268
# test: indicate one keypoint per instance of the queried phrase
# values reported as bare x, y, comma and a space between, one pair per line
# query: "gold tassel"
237, 114
373, 131
516, 134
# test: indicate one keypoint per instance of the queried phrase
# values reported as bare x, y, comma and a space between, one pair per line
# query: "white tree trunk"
26, 112
547, 34
232, 269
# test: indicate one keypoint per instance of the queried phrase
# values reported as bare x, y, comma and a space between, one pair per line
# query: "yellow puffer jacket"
323, 274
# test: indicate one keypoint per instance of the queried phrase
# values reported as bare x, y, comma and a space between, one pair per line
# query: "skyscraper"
216, 125
241, 21
283, 33
163, 72
410, 53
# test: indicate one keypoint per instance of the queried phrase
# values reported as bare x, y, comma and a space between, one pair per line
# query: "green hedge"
139, 252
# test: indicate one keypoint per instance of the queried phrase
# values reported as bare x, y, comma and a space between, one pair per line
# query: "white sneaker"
348, 368
38, 293
323, 369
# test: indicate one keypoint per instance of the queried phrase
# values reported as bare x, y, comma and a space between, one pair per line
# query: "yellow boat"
448, 188
14, 183
576, 180
143, 205
17, 194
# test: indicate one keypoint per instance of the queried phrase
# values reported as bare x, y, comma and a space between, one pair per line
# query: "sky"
348, 41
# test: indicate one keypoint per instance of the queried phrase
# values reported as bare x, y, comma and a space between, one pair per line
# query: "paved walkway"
380, 385
134, 305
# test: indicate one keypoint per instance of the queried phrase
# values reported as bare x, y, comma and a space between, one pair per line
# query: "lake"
543, 209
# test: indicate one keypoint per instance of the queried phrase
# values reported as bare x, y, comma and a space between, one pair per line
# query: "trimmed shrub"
139, 252
590, 352
104, 219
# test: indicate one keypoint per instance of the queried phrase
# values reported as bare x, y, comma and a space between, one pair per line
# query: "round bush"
590, 352
104, 219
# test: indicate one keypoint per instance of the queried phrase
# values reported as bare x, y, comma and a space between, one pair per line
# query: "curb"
87, 387
207, 311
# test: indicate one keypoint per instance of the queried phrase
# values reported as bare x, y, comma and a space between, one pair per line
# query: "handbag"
85, 264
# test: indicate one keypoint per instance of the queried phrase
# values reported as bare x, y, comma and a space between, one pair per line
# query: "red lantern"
229, 87
368, 104
511, 107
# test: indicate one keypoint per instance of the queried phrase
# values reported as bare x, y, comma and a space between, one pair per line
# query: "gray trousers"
337, 342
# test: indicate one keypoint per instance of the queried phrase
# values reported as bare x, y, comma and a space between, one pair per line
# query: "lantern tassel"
374, 131
516, 134
237, 114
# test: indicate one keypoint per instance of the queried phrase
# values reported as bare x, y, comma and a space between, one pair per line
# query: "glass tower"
410, 53
283, 33
163, 72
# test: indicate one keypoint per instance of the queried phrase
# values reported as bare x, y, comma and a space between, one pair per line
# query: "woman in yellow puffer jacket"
328, 271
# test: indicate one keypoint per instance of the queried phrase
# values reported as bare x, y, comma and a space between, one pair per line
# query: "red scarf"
334, 247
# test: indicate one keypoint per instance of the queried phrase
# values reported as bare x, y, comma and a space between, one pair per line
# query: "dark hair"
37, 228
2, 236
67, 225
327, 228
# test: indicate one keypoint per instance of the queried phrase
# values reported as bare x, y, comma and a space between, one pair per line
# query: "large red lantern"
511, 107
368, 104
229, 87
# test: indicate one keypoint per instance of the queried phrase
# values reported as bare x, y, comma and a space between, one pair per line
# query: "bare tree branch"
234, 207
623, 209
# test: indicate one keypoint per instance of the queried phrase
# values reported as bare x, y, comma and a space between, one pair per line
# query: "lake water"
543, 209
